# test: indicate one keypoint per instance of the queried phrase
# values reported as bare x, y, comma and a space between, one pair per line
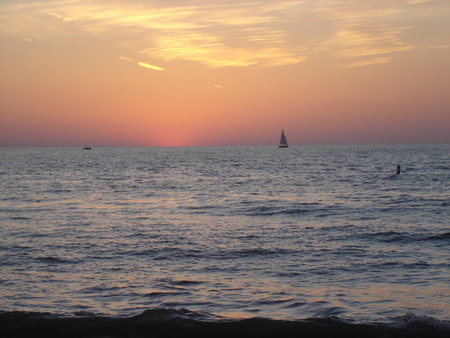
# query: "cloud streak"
149, 66
142, 64
368, 62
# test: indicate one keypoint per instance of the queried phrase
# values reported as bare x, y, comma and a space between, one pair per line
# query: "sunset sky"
200, 73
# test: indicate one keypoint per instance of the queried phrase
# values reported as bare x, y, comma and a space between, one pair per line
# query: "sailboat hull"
283, 146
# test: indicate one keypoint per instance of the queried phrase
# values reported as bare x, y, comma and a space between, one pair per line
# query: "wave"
301, 209
185, 323
169, 253
386, 236
394, 236
443, 236
56, 260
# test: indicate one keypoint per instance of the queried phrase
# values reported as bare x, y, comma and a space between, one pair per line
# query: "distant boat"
283, 141
87, 148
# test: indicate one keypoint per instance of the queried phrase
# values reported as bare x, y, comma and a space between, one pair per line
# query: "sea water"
232, 232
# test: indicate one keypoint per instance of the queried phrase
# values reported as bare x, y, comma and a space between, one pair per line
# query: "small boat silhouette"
283, 141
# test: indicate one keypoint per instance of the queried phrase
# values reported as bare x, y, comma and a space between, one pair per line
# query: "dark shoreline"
161, 323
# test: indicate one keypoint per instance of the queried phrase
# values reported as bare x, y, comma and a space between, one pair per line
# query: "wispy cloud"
357, 41
142, 64
368, 62
226, 33
146, 65
217, 34
126, 59
364, 29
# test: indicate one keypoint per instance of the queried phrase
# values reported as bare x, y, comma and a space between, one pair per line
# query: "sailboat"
283, 141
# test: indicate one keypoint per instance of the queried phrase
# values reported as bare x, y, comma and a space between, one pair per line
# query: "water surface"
239, 232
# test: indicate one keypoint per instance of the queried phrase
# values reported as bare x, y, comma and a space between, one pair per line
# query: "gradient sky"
188, 73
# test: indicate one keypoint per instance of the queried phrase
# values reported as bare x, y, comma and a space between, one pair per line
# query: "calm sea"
228, 232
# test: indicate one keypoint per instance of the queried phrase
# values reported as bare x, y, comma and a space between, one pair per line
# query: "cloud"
364, 29
140, 63
225, 33
357, 41
368, 62
218, 34
146, 65
438, 46
126, 59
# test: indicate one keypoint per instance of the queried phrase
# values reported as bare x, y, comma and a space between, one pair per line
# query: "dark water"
224, 234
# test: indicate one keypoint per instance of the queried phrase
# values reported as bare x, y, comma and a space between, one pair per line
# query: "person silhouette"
398, 169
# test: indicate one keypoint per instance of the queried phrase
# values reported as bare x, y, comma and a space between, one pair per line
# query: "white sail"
283, 140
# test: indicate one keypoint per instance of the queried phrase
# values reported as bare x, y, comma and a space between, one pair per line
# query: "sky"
207, 73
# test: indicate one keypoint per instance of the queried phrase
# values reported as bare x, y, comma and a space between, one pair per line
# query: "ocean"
219, 241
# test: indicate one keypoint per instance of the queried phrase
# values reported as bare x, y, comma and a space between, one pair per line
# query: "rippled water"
231, 231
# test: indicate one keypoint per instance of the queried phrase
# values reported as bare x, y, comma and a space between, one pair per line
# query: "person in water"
398, 169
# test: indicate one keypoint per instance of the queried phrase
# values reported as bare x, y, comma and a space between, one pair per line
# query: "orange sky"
188, 73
